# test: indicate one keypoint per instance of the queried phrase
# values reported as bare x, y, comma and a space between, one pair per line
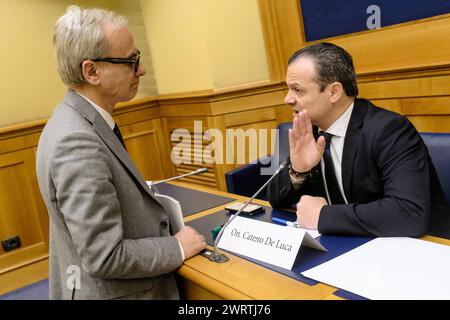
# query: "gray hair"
78, 36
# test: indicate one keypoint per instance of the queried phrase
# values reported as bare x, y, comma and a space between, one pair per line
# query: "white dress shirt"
338, 129
111, 123
105, 114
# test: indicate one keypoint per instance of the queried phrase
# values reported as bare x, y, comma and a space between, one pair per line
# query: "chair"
438, 145
247, 179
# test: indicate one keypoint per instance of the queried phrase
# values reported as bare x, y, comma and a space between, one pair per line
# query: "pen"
286, 222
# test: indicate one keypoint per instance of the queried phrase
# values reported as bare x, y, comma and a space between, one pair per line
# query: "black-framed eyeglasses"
135, 60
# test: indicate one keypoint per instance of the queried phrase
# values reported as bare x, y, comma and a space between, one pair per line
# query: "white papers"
268, 242
172, 207
174, 211
390, 268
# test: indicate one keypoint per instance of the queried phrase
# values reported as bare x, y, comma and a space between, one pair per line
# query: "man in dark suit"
354, 168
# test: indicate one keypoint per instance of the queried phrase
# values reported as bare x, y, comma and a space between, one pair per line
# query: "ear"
336, 91
90, 72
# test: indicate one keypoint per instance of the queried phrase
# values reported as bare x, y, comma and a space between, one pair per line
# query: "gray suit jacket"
104, 219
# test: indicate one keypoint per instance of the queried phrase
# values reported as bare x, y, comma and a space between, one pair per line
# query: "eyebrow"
295, 84
133, 54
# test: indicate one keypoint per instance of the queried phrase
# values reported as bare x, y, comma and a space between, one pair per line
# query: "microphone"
198, 171
221, 258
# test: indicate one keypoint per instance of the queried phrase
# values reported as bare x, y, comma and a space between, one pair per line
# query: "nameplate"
267, 242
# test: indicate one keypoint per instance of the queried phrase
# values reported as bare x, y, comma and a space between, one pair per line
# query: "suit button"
283, 190
163, 224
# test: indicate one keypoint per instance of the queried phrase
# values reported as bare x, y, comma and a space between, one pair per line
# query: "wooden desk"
242, 279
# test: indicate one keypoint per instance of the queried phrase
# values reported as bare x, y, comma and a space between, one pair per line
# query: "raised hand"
305, 152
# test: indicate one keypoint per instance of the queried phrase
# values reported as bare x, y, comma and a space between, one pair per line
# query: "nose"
289, 99
141, 70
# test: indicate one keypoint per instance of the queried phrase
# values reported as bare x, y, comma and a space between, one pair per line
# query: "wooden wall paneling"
20, 211
197, 145
164, 147
406, 88
283, 33
140, 123
249, 117
143, 146
188, 106
38, 202
415, 44
272, 45
431, 123
422, 95
21, 276
419, 106
165, 139
284, 113
136, 111
268, 98
21, 136
255, 123
220, 150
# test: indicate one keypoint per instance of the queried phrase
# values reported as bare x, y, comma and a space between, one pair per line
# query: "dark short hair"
333, 64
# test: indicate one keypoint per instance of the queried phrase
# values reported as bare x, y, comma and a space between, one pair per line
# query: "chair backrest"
282, 142
438, 145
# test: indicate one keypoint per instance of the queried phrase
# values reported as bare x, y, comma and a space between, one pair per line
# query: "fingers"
202, 241
308, 211
198, 238
301, 124
295, 127
308, 124
299, 220
191, 241
321, 144
291, 139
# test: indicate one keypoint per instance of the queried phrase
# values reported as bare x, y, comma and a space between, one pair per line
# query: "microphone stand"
198, 171
219, 257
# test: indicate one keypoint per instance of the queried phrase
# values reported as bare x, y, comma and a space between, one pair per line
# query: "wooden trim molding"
407, 73
283, 33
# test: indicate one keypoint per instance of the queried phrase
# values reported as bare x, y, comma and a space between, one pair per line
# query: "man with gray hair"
104, 220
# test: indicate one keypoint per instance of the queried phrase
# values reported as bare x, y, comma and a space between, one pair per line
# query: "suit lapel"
351, 145
106, 134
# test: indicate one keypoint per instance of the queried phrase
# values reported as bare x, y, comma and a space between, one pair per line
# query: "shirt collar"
339, 127
105, 114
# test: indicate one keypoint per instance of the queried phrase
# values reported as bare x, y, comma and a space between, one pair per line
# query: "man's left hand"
308, 211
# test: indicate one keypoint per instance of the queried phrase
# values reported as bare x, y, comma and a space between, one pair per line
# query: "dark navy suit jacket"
388, 178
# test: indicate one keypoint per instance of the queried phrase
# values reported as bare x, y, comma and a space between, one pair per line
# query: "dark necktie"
330, 175
119, 135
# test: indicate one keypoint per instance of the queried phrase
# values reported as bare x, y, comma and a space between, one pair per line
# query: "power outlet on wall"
11, 243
